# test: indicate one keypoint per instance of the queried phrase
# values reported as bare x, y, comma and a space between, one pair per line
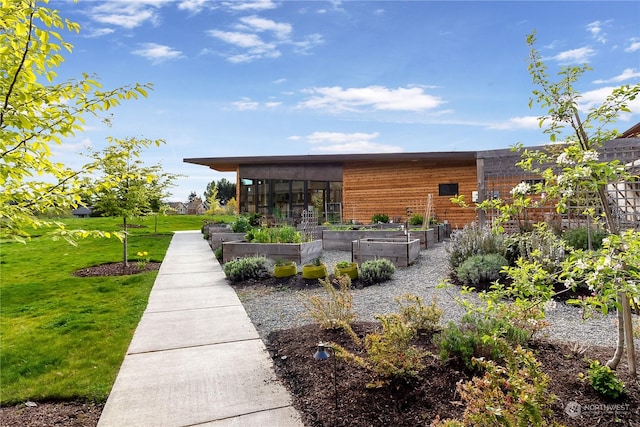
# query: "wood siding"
390, 188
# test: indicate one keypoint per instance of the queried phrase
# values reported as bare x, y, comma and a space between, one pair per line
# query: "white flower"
567, 192
580, 264
521, 189
590, 156
569, 283
564, 160
550, 305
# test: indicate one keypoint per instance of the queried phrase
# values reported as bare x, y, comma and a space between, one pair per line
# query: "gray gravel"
276, 309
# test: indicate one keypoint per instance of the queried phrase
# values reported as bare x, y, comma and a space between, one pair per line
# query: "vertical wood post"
482, 218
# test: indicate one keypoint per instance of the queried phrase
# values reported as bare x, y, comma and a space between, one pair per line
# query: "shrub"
376, 271
241, 225
515, 394
604, 380
481, 269
218, 253
539, 245
578, 238
476, 337
416, 219
422, 318
334, 309
376, 218
473, 240
389, 353
246, 268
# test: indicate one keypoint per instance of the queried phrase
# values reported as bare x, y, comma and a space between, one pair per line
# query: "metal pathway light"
322, 353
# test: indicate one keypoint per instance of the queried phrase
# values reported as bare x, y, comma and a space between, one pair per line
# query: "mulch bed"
117, 269
311, 384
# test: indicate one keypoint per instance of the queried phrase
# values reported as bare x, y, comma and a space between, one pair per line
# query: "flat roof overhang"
231, 164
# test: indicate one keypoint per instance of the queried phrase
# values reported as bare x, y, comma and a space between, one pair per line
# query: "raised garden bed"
300, 253
218, 237
400, 251
340, 240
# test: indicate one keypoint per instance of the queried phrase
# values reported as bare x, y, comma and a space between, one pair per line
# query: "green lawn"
62, 336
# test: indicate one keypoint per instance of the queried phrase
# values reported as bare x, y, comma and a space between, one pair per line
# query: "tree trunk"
125, 258
628, 329
613, 362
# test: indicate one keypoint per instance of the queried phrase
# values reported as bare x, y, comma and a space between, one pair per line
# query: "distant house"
82, 212
196, 207
177, 208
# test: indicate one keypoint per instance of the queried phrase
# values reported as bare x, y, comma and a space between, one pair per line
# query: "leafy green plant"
604, 380
578, 238
420, 317
477, 336
379, 217
514, 394
284, 234
241, 224
246, 268
473, 240
376, 271
343, 264
218, 253
479, 269
416, 219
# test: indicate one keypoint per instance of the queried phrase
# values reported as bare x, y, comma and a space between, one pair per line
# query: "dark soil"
310, 382
419, 403
117, 269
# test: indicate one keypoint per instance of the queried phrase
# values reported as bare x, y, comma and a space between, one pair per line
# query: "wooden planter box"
399, 251
217, 238
300, 253
340, 240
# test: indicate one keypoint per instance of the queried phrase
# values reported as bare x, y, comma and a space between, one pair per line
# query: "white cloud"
372, 97
634, 46
157, 53
526, 122
280, 81
257, 24
245, 104
595, 28
338, 142
573, 56
126, 14
272, 104
255, 46
195, 6
594, 98
628, 73
99, 32
250, 5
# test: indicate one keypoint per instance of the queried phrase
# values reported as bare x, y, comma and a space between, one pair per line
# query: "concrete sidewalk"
196, 358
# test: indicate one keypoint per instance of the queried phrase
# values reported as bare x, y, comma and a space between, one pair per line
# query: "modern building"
346, 187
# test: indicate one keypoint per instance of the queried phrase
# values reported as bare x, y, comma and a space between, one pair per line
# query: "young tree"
212, 199
127, 188
570, 168
36, 113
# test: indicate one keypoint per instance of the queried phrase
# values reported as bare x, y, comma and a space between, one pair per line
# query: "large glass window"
281, 198
263, 195
247, 196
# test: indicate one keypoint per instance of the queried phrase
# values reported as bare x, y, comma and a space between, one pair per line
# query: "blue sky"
259, 78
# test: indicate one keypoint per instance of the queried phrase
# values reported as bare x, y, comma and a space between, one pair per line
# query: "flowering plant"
143, 259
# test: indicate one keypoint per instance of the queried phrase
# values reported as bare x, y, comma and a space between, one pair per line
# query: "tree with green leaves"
127, 187
572, 168
225, 191
36, 113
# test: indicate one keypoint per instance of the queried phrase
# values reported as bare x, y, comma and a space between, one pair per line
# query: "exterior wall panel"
391, 188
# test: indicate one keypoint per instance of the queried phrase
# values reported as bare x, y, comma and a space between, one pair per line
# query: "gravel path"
275, 309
